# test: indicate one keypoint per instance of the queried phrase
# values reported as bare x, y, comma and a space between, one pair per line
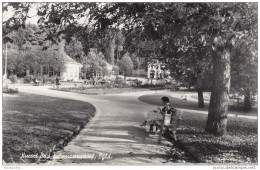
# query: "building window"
51, 72
44, 71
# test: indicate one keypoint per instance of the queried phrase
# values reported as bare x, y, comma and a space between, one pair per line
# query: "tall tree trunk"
112, 51
117, 58
5, 74
41, 70
247, 101
218, 108
27, 72
200, 98
200, 90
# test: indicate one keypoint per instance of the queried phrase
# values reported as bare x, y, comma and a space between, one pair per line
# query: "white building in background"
157, 70
111, 73
72, 68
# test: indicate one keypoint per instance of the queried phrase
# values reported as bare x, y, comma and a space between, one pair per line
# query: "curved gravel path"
113, 135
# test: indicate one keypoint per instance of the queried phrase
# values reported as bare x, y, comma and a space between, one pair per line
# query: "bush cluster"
29, 79
137, 82
161, 83
119, 80
117, 83
10, 90
45, 79
13, 78
52, 79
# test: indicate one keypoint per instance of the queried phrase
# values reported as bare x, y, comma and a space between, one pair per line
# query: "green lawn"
34, 123
238, 146
174, 102
206, 97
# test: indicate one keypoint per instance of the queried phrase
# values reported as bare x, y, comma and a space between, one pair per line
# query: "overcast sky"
32, 13
34, 17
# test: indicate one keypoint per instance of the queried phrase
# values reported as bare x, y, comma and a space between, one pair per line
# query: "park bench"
172, 127
235, 103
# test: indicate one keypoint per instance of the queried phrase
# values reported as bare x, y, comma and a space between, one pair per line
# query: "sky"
32, 13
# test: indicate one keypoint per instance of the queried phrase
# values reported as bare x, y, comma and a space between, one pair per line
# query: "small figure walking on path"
57, 82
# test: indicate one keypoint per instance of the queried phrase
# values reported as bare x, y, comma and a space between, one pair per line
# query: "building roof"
68, 59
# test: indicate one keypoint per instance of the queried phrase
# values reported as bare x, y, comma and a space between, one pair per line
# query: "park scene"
134, 83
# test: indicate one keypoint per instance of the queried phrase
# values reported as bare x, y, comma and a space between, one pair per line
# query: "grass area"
99, 91
174, 102
33, 124
238, 146
206, 96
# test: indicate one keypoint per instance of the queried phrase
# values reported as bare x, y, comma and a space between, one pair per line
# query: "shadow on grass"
210, 149
228, 149
34, 123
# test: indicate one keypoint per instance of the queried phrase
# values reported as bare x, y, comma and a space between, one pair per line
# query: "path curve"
113, 134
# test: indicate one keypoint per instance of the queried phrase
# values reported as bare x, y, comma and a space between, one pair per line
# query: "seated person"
154, 116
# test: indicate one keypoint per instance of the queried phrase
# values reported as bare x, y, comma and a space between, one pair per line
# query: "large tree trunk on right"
200, 98
218, 108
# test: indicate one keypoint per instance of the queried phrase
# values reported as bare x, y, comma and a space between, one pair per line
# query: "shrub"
39, 78
10, 90
120, 83
175, 85
115, 69
28, 79
13, 78
147, 85
20, 80
44, 79
119, 80
97, 86
137, 82
52, 79
161, 83
82, 88
108, 85
117, 86
132, 84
